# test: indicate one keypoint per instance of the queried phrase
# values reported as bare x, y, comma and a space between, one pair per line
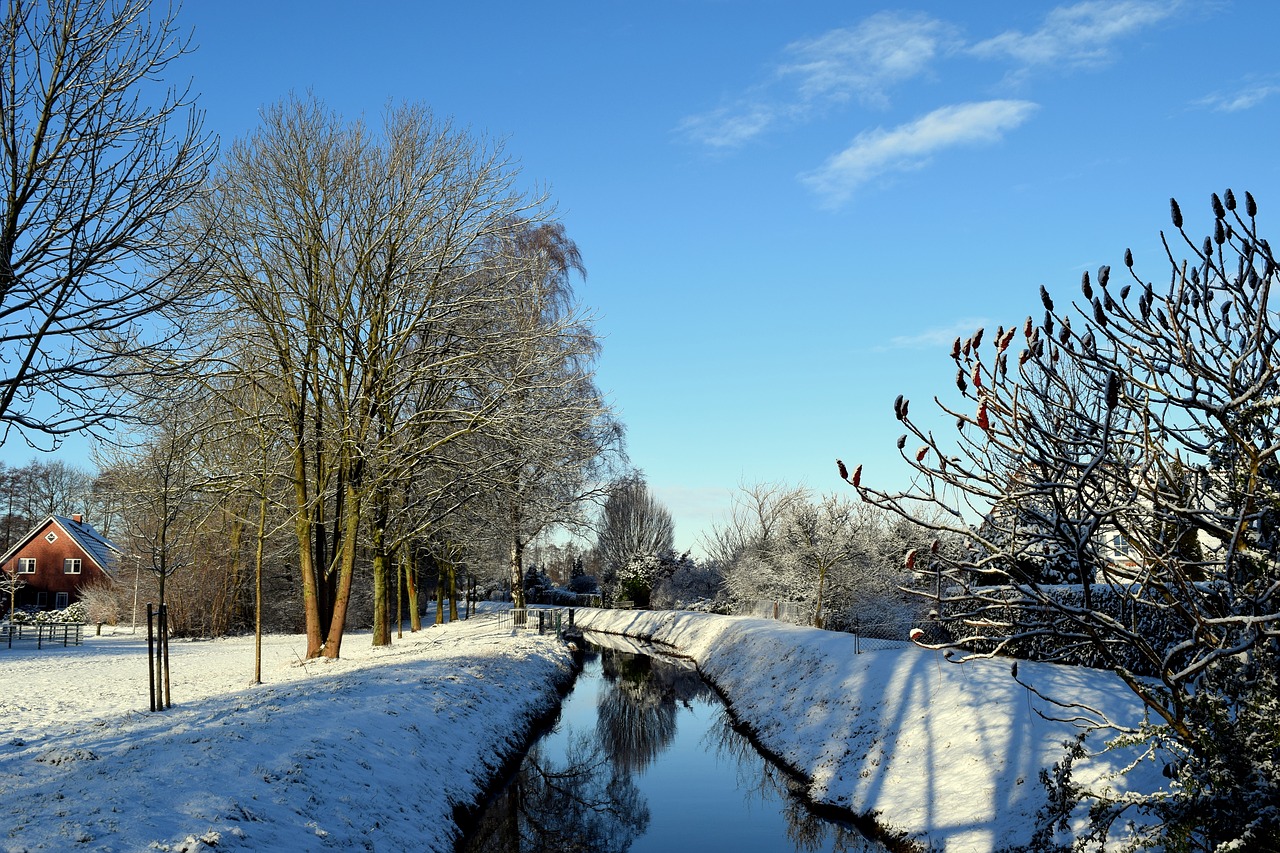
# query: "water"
645, 758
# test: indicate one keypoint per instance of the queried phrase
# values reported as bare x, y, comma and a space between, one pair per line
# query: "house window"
61, 600
71, 566
52, 537
42, 598
26, 565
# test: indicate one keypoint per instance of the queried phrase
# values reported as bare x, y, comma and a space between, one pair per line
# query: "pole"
151, 667
164, 639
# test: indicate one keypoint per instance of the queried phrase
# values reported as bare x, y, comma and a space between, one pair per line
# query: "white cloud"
1076, 35
1241, 99
864, 61
910, 146
860, 62
939, 338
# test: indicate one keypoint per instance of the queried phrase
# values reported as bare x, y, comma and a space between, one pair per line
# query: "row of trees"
830, 562
342, 351
1143, 412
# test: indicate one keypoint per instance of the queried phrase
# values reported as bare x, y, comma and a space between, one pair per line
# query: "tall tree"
362, 265
95, 158
633, 523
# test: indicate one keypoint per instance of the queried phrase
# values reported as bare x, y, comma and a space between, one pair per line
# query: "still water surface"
645, 758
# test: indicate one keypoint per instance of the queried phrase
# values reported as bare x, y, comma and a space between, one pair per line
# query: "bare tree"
1130, 449
94, 162
633, 523
364, 269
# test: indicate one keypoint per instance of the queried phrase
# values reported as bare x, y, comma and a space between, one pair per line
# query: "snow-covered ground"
372, 752
947, 753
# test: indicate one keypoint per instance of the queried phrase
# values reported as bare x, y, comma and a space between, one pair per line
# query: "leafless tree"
1129, 449
96, 157
633, 523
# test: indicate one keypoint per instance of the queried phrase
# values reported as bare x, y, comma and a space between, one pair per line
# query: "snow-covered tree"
633, 523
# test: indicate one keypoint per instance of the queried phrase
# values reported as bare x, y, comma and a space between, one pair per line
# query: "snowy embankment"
947, 754
369, 752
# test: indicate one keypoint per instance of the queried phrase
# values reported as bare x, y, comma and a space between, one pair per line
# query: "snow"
948, 754
368, 752
375, 750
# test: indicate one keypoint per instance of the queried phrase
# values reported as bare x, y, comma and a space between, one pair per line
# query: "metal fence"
867, 636
53, 633
540, 619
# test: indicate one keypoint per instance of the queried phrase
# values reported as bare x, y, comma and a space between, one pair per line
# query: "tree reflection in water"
590, 802
582, 805
638, 705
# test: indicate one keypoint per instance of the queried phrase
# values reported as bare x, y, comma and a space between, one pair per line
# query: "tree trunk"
342, 595
411, 582
303, 531
381, 574
517, 571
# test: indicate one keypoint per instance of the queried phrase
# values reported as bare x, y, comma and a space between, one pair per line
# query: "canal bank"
645, 758
947, 754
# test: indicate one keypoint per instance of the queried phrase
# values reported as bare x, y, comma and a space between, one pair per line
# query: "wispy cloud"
863, 62
939, 338
911, 146
1244, 98
859, 63
1078, 35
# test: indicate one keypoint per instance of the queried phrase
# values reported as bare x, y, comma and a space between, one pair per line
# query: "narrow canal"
644, 758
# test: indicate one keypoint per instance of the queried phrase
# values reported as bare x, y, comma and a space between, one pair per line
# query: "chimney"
77, 518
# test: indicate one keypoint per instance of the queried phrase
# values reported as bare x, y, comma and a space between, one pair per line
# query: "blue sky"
788, 210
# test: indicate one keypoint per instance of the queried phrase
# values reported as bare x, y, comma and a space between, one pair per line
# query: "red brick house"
57, 558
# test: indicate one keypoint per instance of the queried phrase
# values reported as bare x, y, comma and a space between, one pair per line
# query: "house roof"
99, 548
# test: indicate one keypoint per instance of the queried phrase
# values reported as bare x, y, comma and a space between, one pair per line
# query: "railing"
69, 633
541, 619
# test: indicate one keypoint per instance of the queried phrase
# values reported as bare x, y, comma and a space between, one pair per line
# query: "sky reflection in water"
644, 758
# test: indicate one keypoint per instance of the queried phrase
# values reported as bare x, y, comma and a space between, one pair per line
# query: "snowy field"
373, 751
370, 752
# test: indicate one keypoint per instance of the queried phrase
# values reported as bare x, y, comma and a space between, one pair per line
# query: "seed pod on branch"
1219, 233
976, 375
1218, 210
1104, 276
902, 441
1099, 316
844, 472
1230, 199
897, 407
1175, 213
1085, 287
1128, 258
1044, 298
1028, 329
1124, 292
1113, 391
960, 383
911, 559
856, 479
984, 419
1250, 206
955, 349
922, 453
977, 340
